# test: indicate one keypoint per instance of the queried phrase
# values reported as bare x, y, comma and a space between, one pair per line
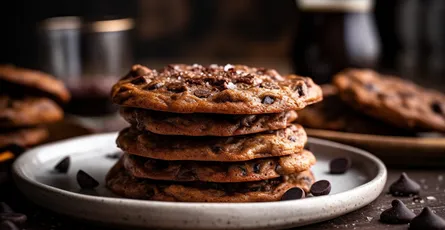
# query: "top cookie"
391, 99
229, 89
16, 80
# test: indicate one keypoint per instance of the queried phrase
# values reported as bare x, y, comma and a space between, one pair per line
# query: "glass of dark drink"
89, 56
333, 35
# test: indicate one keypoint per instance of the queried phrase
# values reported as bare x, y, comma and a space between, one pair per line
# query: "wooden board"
395, 151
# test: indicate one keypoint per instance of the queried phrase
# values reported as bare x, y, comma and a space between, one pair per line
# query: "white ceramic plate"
33, 173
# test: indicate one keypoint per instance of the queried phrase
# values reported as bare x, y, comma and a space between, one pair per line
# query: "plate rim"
19, 176
400, 140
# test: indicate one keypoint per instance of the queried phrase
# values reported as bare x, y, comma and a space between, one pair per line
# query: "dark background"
245, 29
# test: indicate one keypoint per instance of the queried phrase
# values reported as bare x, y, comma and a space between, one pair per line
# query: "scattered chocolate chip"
176, 87
4, 208
16, 218
320, 188
397, 214
63, 165
404, 186
202, 93
293, 194
339, 165
216, 149
8, 225
427, 220
292, 138
114, 156
153, 86
268, 100
437, 108
243, 170
256, 168
85, 181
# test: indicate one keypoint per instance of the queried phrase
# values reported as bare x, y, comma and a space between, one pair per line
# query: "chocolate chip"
292, 138
139, 80
248, 79
216, 149
176, 87
114, 156
437, 108
397, 214
63, 165
300, 90
153, 86
8, 225
427, 220
16, 218
243, 170
293, 194
202, 93
404, 186
339, 165
256, 168
85, 181
320, 188
268, 100
4, 208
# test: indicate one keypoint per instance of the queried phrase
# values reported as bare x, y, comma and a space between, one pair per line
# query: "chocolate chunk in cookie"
229, 89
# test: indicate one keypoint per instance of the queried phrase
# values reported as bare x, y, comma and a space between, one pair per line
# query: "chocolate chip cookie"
392, 99
121, 183
253, 170
333, 114
28, 111
229, 89
23, 137
239, 148
201, 124
20, 81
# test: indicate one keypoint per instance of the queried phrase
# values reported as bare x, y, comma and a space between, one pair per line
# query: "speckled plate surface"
33, 173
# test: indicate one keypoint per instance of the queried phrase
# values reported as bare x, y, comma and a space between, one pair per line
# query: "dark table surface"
432, 195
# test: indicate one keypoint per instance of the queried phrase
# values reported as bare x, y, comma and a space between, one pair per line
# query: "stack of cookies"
29, 99
366, 101
211, 134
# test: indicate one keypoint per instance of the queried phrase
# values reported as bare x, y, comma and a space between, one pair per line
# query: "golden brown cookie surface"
121, 183
392, 99
199, 124
229, 89
28, 111
253, 170
239, 148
